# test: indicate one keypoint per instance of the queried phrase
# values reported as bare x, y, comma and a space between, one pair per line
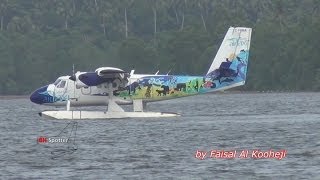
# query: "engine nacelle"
78, 82
118, 76
105, 75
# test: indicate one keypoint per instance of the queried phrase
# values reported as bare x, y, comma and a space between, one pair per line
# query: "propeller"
73, 77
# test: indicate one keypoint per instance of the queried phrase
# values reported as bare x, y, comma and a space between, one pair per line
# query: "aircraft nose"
37, 96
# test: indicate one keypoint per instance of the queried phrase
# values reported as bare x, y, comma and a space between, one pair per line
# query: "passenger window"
61, 84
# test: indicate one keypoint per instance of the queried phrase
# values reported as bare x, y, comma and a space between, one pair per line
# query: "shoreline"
6, 97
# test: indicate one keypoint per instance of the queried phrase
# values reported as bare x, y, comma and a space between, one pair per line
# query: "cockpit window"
61, 84
57, 82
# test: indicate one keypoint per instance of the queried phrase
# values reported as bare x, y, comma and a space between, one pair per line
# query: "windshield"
61, 84
57, 82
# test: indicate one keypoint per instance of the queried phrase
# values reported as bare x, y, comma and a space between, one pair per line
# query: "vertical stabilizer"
231, 61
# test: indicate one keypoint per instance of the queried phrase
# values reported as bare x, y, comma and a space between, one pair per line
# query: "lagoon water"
165, 148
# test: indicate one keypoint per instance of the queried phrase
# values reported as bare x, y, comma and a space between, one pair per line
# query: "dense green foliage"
41, 39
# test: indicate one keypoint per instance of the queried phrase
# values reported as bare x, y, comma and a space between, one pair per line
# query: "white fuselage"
64, 89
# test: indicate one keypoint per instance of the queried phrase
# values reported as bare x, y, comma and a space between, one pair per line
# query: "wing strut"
68, 105
112, 105
138, 105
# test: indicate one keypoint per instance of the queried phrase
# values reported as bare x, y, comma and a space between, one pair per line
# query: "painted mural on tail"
228, 70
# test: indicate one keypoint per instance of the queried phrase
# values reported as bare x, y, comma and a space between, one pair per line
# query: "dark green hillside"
41, 39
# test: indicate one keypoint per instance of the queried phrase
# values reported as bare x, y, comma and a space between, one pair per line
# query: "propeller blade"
73, 78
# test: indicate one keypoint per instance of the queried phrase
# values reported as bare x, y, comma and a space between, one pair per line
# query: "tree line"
42, 39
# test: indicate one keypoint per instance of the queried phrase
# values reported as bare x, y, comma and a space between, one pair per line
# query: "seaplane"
112, 87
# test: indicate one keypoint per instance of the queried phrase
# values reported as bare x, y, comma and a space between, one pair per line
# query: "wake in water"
71, 130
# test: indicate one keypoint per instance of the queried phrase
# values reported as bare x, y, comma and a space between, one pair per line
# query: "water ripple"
165, 148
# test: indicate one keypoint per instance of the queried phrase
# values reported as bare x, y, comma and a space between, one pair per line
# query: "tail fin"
231, 61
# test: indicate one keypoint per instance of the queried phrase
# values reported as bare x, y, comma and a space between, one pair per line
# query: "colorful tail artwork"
231, 62
228, 70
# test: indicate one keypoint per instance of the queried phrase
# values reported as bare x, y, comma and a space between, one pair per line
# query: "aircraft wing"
103, 75
110, 72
